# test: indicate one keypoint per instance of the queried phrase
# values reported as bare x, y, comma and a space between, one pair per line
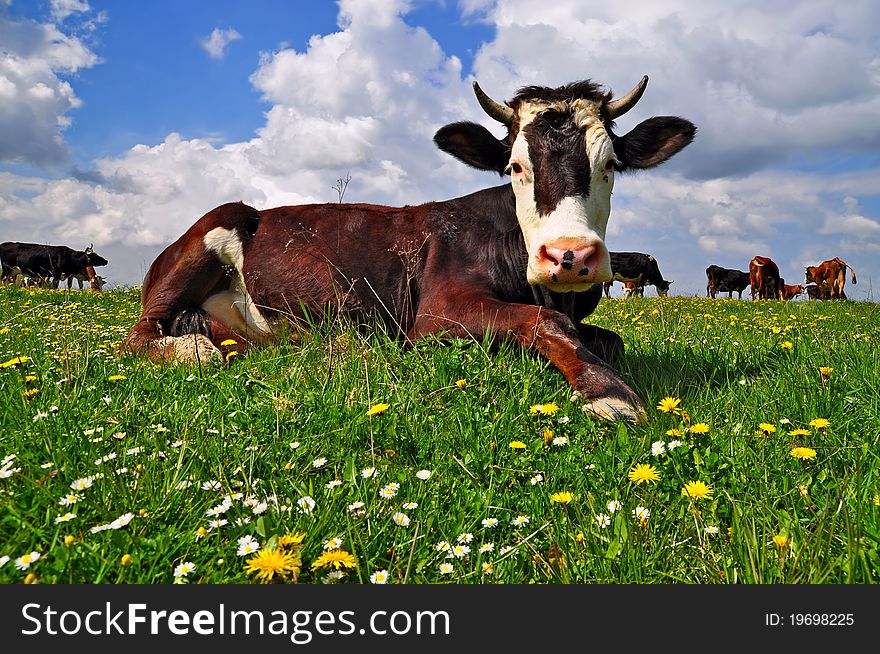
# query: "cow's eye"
514, 167
611, 165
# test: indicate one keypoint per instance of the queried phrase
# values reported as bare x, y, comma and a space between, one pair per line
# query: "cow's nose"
569, 262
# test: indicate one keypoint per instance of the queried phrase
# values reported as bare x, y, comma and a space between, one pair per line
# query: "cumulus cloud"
215, 44
35, 96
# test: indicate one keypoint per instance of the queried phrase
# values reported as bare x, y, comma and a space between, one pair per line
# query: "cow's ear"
652, 142
474, 145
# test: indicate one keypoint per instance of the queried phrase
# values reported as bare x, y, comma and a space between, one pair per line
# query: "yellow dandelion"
825, 370
461, 383
336, 559
787, 345
125, 561
697, 490
644, 473
14, 362
767, 428
781, 540
30, 378
544, 409
563, 497
291, 540
799, 432
231, 353
116, 377
271, 563
877, 499
30, 392
699, 428
819, 423
69, 540
669, 405
517, 445
803, 453
548, 435
673, 432
378, 409
228, 342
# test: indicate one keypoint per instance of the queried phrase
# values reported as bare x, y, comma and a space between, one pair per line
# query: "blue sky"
120, 127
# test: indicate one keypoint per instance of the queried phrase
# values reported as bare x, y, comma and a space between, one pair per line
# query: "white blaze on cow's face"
565, 241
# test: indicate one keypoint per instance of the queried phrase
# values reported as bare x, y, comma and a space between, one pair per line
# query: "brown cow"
524, 260
830, 277
764, 279
791, 291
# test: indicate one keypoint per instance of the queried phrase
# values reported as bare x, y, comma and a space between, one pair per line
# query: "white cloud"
35, 98
61, 9
215, 44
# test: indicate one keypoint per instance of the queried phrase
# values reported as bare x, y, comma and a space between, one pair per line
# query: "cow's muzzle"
571, 263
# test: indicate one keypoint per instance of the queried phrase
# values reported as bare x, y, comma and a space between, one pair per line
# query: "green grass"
172, 429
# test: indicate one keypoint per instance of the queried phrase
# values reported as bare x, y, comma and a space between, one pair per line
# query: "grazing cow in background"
721, 280
791, 291
813, 292
764, 279
630, 289
524, 260
830, 277
96, 282
641, 269
49, 263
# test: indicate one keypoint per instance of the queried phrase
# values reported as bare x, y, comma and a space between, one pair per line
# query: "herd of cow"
33, 264
822, 282
525, 260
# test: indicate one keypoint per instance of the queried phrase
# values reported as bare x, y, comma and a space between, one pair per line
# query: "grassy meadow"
344, 457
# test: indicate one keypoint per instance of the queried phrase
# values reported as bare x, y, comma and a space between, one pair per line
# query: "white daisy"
379, 577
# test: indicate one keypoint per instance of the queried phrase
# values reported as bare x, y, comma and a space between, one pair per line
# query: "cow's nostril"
546, 256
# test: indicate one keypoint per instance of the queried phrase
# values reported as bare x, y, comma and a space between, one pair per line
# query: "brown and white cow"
764, 279
830, 277
791, 291
96, 282
525, 260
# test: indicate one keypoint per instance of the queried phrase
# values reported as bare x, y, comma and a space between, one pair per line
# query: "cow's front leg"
549, 332
604, 343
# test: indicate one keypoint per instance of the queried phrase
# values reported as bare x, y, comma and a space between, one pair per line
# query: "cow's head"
809, 271
663, 287
93, 258
561, 153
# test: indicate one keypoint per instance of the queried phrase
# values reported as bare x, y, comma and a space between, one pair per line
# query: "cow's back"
357, 259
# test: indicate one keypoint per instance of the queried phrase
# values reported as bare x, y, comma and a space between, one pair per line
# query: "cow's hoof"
612, 408
190, 348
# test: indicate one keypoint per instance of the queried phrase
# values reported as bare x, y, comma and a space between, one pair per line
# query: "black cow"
47, 263
640, 269
725, 280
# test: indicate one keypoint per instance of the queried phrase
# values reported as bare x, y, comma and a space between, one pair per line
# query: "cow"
791, 291
721, 280
830, 277
764, 279
524, 260
813, 291
630, 289
48, 263
641, 269
96, 282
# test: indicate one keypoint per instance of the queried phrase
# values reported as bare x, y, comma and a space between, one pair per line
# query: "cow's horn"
500, 112
622, 105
